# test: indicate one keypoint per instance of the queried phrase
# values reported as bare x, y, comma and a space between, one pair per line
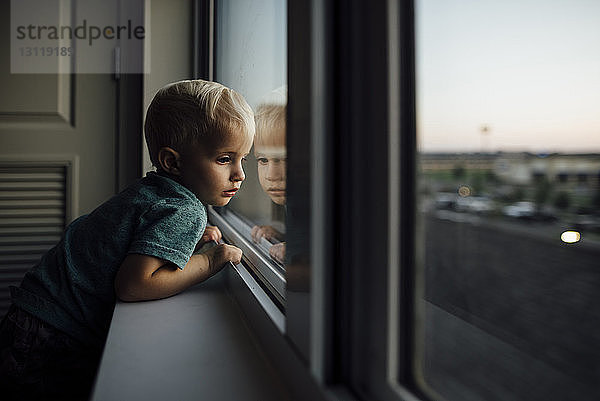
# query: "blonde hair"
270, 125
270, 119
193, 112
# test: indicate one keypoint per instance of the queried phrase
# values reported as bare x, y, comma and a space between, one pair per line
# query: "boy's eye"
262, 160
224, 159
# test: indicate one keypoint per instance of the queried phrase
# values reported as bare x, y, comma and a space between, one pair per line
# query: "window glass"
251, 58
508, 131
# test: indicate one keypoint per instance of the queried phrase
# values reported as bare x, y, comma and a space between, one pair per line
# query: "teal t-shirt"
72, 287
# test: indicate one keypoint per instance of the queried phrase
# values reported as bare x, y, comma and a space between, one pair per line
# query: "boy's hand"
277, 252
211, 233
267, 232
221, 254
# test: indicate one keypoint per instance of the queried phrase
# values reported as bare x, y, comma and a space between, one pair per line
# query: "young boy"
270, 153
137, 246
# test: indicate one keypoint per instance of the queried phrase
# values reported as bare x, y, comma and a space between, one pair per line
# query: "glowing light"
464, 191
570, 237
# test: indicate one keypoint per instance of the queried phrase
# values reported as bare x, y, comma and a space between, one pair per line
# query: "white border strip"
393, 236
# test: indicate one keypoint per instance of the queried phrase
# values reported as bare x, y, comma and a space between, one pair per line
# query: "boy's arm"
144, 277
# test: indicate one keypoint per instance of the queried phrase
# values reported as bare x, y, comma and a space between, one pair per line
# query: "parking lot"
513, 308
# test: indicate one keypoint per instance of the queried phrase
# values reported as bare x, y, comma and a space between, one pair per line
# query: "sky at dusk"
528, 70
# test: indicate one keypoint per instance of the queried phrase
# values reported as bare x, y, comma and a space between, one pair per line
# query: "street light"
485, 130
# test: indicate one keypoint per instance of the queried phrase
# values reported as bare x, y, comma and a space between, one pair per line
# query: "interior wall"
167, 53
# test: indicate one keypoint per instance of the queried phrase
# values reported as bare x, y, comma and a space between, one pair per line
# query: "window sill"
223, 339
191, 346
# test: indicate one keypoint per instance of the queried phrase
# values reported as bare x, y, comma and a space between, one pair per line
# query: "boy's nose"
238, 174
275, 171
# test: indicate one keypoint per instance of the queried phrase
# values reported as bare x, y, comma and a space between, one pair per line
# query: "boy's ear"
169, 160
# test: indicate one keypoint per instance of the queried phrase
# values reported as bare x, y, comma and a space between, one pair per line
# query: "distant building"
562, 168
521, 168
448, 161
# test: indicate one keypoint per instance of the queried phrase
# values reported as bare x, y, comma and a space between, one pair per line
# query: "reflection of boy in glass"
270, 153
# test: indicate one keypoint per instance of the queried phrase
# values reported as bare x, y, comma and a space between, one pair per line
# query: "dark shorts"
39, 362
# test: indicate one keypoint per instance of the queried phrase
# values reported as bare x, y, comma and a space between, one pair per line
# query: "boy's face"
271, 171
214, 174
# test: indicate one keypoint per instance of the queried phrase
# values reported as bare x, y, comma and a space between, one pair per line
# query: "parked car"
445, 200
519, 209
528, 211
475, 204
587, 222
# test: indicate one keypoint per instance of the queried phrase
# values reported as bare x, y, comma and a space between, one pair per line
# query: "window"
437, 252
508, 304
562, 177
251, 57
